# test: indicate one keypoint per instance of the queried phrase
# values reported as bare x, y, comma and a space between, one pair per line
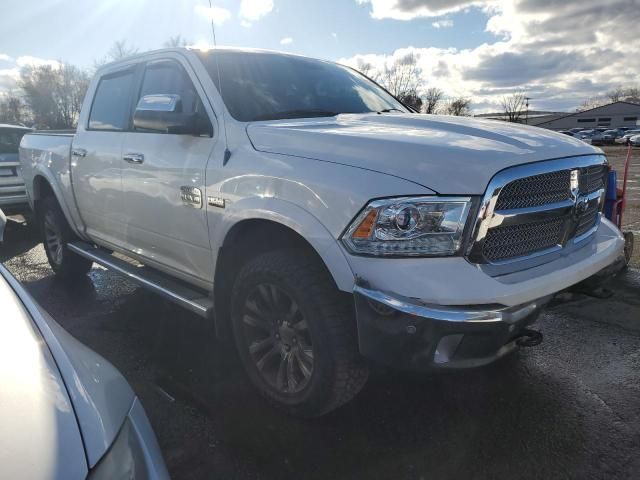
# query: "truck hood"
450, 155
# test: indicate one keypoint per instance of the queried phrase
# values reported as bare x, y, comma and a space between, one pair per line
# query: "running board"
175, 290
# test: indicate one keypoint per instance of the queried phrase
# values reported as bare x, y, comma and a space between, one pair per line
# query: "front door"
96, 157
163, 184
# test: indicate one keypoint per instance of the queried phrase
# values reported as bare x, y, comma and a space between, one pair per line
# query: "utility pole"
526, 118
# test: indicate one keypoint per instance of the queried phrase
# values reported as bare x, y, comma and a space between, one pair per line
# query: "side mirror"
163, 113
3, 223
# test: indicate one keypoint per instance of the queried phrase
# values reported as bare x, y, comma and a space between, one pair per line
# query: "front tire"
295, 333
56, 233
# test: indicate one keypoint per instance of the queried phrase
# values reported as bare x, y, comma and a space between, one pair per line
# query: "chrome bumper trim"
453, 314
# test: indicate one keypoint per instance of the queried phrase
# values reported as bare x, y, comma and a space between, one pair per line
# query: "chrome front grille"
517, 240
592, 178
536, 190
532, 211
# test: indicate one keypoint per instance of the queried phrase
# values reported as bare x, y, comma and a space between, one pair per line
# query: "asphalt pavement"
569, 408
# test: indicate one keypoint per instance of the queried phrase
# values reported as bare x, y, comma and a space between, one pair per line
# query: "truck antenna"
227, 153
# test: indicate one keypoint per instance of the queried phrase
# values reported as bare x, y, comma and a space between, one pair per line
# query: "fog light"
380, 308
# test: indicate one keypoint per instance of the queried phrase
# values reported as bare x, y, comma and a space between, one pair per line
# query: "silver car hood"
450, 155
39, 433
100, 395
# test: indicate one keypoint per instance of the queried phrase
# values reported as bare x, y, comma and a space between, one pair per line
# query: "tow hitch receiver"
528, 338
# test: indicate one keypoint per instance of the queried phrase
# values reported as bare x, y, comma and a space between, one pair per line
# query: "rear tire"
56, 234
295, 333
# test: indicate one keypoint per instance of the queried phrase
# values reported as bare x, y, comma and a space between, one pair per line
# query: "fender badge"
191, 196
216, 202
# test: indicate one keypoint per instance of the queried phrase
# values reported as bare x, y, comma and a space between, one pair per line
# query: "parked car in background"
567, 132
66, 412
635, 141
624, 139
576, 130
13, 197
608, 137
585, 135
319, 229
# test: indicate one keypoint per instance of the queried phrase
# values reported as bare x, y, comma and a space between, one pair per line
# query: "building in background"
612, 115
534, 117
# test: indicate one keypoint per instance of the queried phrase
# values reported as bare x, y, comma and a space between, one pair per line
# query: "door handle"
79, 152
136, 158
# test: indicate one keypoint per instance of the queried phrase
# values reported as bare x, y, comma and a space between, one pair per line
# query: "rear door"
97, 157
163, 182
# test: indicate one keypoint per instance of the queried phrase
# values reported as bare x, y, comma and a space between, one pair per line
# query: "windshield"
10, 140
270, 86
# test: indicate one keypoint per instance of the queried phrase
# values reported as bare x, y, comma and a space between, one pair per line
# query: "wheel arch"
43, 186
265, 232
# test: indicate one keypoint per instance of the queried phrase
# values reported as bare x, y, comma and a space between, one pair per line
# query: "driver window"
168, 77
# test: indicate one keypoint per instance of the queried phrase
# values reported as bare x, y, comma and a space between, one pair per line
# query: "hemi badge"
216, 202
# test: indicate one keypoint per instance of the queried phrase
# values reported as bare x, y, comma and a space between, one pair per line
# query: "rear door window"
112, 102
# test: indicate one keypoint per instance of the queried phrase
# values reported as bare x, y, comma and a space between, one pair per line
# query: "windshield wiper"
387, 110
295, 114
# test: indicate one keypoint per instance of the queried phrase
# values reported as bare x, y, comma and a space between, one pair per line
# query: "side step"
172, 289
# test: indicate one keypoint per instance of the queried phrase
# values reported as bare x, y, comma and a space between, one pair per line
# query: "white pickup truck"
316, 219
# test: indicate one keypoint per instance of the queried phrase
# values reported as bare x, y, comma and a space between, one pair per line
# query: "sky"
557, 52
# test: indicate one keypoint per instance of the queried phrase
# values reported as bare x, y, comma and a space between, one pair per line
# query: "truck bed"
47, 153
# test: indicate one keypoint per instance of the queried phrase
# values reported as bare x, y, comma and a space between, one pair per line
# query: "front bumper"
409, 334
14, 200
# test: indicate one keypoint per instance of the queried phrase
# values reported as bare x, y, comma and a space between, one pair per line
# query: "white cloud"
30, 61
559, 53
442, 24
217, 15
253, 10
334, 34
286, 41
9, 76
410, 9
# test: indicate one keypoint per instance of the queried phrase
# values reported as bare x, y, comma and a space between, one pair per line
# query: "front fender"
297, 219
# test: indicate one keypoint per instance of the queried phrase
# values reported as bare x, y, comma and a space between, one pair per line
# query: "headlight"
411, 226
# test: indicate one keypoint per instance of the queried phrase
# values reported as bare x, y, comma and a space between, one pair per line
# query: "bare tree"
54, 94
402, 78
367, 69
460, 107
432, 99
121, 49
177, 41
513, 106
616, 94
591, 102
13, 109
625, 94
